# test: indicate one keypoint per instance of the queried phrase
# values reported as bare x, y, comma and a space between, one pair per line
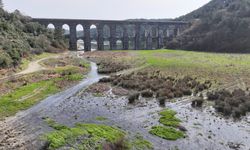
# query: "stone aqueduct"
144, 34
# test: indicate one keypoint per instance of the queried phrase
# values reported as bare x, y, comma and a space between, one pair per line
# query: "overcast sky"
104, 9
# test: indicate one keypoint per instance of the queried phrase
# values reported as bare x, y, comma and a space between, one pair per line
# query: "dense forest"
19, 37
221, 26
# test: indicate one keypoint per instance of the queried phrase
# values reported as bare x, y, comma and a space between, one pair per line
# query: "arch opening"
106, 44
106, 32
106, 37
154, 34
131, 43
79, 31
142, 37
93, 37
94, 45
51, 27
66, 30
131, 31
80, 45
119, 45
119, 32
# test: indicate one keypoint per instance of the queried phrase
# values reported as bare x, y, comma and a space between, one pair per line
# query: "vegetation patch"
91, 136
111, 62
98, 89
100, 118
25, 96
168, 118
139, 143
154, 83
21, 93
236, 103
169, 131
21, 38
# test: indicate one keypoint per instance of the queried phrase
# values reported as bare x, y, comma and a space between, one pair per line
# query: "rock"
182, 128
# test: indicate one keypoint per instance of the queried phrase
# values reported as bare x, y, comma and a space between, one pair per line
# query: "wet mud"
205, 128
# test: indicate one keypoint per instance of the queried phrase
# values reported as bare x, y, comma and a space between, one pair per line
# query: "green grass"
139, 143
25, 96
91, 136
168, 118
82, 136
222, 68
178, 58
100, 118
170, 122
167, 133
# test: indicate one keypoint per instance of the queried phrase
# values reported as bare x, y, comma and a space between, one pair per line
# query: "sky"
104, 9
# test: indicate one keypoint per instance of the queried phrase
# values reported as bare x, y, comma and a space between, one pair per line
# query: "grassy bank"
196, 60
21, 93
215, 66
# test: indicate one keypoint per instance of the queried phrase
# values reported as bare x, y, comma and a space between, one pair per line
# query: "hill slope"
220, 25
19, 37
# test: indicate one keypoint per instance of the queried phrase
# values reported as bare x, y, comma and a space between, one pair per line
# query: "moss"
139, 143
99, 118
75, 77
92, 136
167, 133
83, 136
168, 118
170, 122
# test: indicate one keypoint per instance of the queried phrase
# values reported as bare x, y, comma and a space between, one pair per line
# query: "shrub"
197, 102
5, 60
133, 97
147, 93
162, 101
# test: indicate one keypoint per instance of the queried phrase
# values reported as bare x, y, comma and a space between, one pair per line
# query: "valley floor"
108, 103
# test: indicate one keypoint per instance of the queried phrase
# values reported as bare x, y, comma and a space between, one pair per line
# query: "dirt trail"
33, 66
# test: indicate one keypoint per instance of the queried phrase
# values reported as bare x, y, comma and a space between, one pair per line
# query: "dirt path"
33, 66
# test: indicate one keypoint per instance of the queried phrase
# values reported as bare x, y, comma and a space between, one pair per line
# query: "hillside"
19, 37
220, 26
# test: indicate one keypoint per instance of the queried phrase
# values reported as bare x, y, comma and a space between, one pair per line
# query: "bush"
162, 101
19, 37
5, 60
133, 97
147, 93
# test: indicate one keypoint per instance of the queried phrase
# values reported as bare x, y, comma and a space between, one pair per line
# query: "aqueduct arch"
130, 32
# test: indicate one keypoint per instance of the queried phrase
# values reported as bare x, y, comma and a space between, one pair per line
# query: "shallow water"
205, 130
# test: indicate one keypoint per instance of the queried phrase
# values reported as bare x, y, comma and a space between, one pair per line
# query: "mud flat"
90, 102
23, 130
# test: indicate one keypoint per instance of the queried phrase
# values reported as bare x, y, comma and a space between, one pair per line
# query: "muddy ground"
206, 129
